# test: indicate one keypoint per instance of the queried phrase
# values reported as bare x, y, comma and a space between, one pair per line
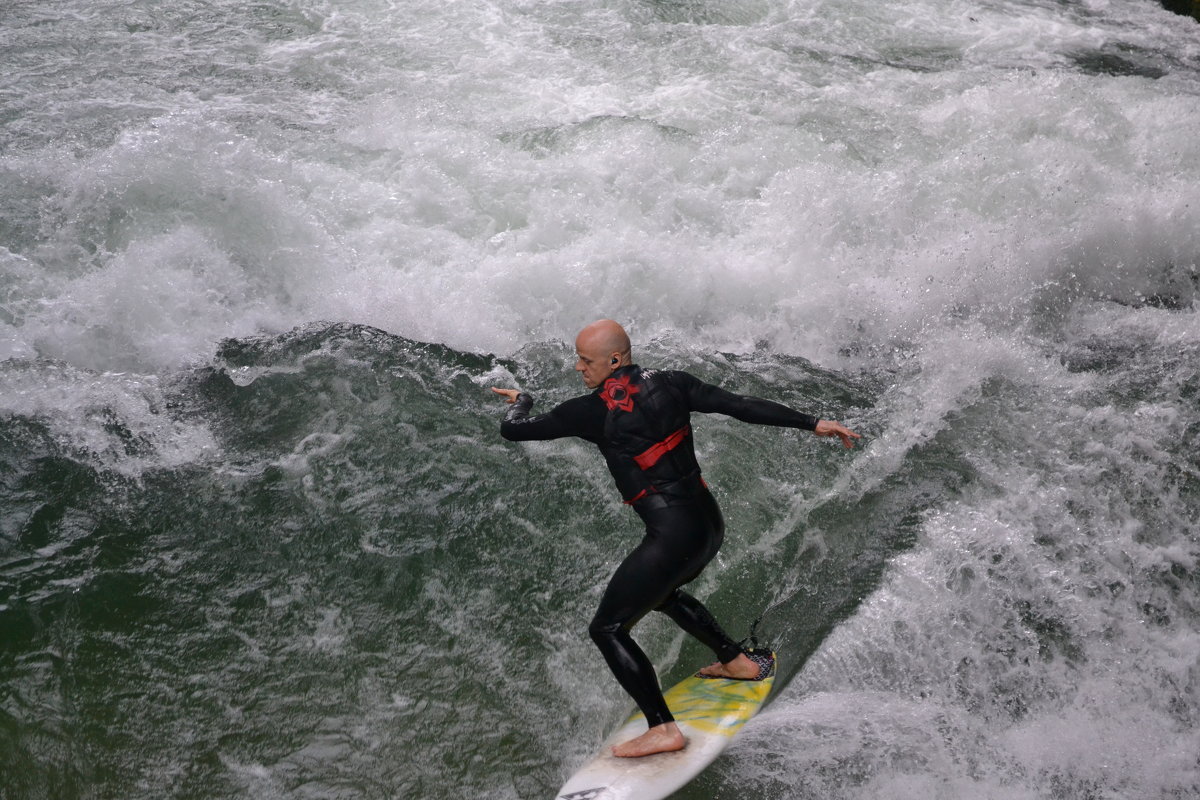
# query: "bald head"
602, 347
606, 335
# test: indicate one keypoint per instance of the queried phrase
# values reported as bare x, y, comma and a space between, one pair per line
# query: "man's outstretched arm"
518, 426
708, 399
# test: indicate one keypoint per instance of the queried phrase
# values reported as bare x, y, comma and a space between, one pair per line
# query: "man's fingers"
510, 395
831, 428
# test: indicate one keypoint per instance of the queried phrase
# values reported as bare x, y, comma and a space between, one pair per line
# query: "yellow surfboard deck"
709, 711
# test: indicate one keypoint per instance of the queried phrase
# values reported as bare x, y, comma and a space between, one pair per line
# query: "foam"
942, 198
115, 421
712, 201
1032, 639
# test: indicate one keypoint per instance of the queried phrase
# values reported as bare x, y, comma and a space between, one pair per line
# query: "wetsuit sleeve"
562, 420
708, 399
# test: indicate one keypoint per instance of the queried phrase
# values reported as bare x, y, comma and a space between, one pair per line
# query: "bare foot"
741, 667
663, 738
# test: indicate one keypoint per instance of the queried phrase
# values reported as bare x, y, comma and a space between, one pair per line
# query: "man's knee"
669, 602
603, 631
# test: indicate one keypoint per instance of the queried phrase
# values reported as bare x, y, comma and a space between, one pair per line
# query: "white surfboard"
709, 711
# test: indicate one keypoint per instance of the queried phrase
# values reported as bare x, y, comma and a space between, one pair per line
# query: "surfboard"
709, 711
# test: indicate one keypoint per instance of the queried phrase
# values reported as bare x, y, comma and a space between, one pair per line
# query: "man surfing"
639, 418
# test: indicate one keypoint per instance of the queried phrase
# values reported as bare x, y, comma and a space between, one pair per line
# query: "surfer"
639, 418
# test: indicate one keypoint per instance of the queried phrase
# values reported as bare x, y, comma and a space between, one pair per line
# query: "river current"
259, 263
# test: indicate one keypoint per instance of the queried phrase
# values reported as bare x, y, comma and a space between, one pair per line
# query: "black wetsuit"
640, 421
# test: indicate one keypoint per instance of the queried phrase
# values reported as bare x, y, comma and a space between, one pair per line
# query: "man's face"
594, 364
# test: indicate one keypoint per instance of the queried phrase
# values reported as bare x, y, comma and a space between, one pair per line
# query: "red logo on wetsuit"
619, 392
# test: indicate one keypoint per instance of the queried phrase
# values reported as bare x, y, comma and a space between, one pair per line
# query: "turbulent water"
259, 262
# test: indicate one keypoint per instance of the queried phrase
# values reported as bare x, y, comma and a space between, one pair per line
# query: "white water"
1040, 639
942, 190
815, 177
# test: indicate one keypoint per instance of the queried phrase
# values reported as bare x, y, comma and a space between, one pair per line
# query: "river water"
259, 536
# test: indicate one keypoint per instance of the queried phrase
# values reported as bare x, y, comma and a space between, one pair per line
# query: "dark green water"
357, 589
244, 554
363, 586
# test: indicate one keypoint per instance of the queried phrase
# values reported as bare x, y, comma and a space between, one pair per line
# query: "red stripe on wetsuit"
654, 454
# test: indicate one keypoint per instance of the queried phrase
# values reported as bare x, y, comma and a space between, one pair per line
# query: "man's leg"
640, 584
680, 540
631, 593
707, 526
691, 615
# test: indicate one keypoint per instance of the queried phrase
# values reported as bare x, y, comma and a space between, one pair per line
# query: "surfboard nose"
600, 793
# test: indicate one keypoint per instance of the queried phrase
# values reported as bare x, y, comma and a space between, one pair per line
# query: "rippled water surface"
259, 536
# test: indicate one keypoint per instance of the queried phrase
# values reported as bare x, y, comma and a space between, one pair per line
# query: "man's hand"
827, 427
510, 395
